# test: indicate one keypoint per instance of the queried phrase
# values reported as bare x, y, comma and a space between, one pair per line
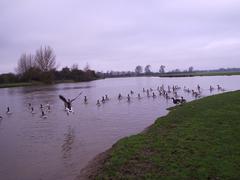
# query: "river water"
57, 147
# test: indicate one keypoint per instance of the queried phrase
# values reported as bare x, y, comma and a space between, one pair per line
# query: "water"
58, 146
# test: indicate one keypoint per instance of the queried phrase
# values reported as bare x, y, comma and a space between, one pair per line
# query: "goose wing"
63, 98
76, 97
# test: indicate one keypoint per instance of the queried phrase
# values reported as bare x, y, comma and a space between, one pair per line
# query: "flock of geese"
170, 92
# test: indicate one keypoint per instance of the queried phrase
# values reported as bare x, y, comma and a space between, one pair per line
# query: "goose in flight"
68, 103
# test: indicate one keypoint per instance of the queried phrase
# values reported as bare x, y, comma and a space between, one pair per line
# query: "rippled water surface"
57, 147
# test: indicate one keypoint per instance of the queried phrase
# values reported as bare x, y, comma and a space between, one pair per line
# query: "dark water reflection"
58, 146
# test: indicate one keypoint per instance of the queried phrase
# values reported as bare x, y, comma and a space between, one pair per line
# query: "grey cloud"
119, 35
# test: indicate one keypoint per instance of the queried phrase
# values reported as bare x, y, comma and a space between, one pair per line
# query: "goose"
32, 110
160, 93
169, 89
119, 96
103, 99
211, 88
148, 93
195, 94
162, 87
182, 100
128, 98
219, 87
8, 111
131, 92
154, 95
139, 96
44, 116
176, 101
167, 96
175, 94
106, 97
48, 107
198, 88
68, 103
98, 103
85, 99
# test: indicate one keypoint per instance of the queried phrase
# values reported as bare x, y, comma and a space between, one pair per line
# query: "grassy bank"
22, 84
199, 140
191, 74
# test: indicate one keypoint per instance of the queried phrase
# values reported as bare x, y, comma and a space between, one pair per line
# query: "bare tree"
74, 67
162, 69
190, 69
45, 59
139, 69
147, 69
25, 63
87, 67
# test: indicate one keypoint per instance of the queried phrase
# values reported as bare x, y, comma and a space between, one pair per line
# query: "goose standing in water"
85, 99
103, 100
32, 110
98, 103
148, 95
182, 100
68, 103
169, 89
48, 107
176, 101
8, 111
153, 95
44, 116
198, 88
119, 96
211, 88
106, 97
220, 88
139, 96
128, 98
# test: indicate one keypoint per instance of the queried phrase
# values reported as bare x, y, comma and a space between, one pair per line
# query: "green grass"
9, 85
199, 140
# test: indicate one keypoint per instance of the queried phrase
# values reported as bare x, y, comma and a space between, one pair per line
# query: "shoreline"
34, 84
96, 164
95, 167
166, 75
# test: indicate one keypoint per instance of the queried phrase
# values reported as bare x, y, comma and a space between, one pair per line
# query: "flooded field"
59, 145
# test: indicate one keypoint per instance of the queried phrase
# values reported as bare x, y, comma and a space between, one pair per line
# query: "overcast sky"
120, 34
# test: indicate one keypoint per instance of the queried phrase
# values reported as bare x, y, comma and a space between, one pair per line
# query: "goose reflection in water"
69, 138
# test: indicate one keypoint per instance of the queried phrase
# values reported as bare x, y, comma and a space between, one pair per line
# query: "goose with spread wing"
68, 102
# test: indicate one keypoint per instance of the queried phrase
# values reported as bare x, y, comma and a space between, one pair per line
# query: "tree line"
143, 71
42, 67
